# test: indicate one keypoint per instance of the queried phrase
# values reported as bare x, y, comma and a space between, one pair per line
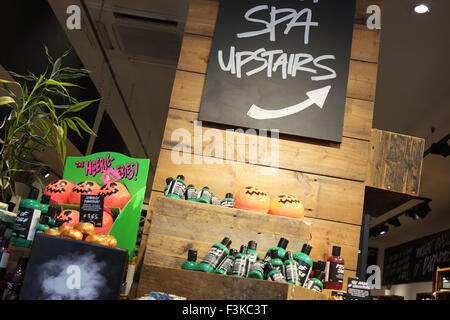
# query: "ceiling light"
46, 173
383, 229
378, 230
394, 222
421, 8
412, 213
423, 209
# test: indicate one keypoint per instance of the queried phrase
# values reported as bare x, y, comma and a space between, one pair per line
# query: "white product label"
34, 222
4, 260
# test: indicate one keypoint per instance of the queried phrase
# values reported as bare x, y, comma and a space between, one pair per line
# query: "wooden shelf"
443, 270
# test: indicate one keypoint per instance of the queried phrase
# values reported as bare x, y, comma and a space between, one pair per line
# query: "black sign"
357, 290
91, 209
280, 65
415, 261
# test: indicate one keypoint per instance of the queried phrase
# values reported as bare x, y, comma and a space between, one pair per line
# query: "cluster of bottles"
33, 216
278, 264
10, 282
177, 189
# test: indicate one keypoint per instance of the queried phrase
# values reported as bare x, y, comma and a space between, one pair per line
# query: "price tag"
357, 290
91, 209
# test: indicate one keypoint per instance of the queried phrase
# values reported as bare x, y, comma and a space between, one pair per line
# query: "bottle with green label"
177, 188
215, 255
257, 270
228, 201
251, 252
281, 248
316, 283
226, 266
26, 220
240, 266
191, 193
291, 268
273, 274
305, 264
166, 188
191, 262
45, 200
204, 196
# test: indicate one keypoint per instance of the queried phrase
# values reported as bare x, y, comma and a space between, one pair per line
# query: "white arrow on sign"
316, 97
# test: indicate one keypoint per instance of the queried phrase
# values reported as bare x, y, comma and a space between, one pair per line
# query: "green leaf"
80, 106
83, 125
73, 126
6, 100
10, 82
50, 59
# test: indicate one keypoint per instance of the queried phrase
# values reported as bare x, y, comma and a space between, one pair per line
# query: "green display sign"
104, 167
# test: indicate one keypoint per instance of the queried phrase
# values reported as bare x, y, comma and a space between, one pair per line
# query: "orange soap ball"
107, 223
116, 194
59, 191
70, 217
85, 187
287, 206
252, 198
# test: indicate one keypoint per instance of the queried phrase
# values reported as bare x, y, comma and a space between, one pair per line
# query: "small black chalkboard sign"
357, 290
91, 209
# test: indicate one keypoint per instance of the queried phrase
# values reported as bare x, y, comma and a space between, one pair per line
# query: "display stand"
441, 293
179, 225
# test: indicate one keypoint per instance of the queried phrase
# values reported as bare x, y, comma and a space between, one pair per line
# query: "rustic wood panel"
203, 13
362, 80
395, 162
346, 160
196, 285
171, 234
323, 197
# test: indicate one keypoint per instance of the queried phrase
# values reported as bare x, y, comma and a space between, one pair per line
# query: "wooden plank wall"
328, 177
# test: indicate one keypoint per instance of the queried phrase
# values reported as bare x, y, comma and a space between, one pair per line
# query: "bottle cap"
226, 242
169, 180
34, 194
190, 186
289, 255
192, 255
11, 206
205, 188
59, 223
229, 195
5, 242
181, 177
22, 263
45, 199
252, 245
336, 251
274, 254
283, 243
306, 249
243, 249
44, 219
51, 212
319, 266
233, 252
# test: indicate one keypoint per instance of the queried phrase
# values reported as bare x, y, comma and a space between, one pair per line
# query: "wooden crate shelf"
196, 285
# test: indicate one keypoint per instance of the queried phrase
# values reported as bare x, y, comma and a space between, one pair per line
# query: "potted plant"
33, 122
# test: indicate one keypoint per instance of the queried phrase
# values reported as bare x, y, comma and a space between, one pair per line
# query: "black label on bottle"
214, 257
258, 266
24, 225
277, 277
227, 203
177, 187
240, 266
191, 193
291, 272
226, 265
205, 194
304, 269
313, 286
335, 272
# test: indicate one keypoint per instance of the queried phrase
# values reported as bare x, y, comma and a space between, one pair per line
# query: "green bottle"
191, 193
273, 274
240, 266
316, 283
43, 224
215, 255
228, 201
177, 187
305, 264
281, 248
275, 260
251, 252
191, 262
257, 270
26, 220
226, 266
291, 268
215, 200
166, 188
45, 200
204, 196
